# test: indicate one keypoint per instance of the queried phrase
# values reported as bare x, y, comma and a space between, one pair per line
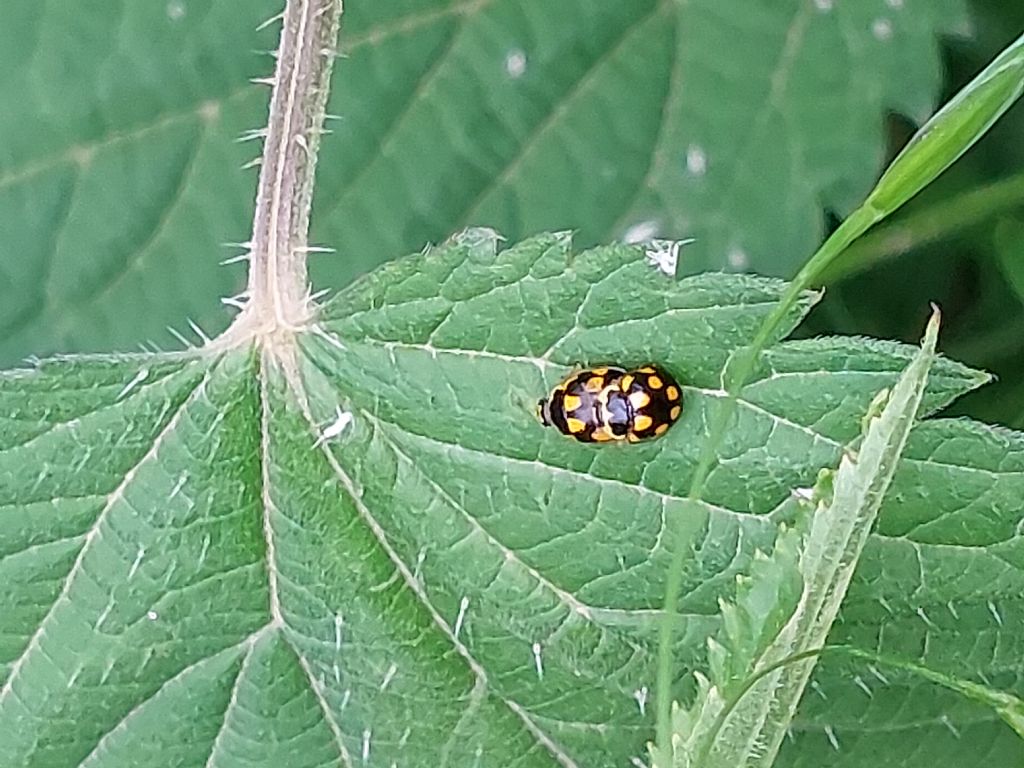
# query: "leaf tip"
931, 333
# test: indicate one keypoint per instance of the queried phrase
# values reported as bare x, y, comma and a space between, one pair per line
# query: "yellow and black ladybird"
604, 404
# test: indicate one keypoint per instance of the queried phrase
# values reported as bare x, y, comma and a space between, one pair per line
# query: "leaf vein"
94, 531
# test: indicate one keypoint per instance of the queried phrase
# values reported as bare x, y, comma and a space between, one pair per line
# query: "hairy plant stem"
278, 288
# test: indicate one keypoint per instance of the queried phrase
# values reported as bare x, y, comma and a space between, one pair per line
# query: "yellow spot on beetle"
672, 393
572, 402
600, 371
674, 413
646, 369
575, 425
626, 382
633, 437
661, 429
594, 384
639, 399
602, 435
642, 422
654, 382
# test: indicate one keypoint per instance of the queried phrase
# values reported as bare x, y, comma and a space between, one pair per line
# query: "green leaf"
120, 170
838, 531
939, 584
1009, 707
767, 650
374, 547
766, 600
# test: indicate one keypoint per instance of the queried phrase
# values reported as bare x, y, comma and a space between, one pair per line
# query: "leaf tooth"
718, 660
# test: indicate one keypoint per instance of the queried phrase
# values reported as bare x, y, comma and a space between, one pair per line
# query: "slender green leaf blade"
953, 130
838, 531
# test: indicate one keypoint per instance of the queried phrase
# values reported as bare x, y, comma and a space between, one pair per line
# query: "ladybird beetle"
603, 404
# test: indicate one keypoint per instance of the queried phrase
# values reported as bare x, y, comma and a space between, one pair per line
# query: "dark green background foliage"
750, 126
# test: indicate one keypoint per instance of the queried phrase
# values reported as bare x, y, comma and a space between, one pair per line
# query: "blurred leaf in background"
737, 123
959, 244
119, 171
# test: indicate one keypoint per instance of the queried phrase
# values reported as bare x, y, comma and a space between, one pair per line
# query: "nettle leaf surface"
372, 553
733, 122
